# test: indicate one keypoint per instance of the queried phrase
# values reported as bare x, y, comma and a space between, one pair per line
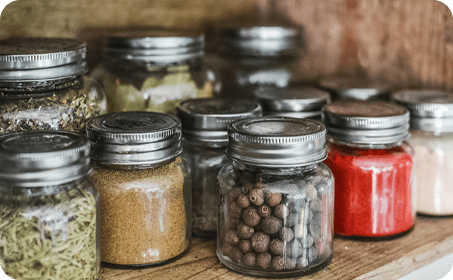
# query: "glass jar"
372, 166
145, 187
248, 57
152, 70
204, 140
432, 140
43, 85
276, 198
48, 207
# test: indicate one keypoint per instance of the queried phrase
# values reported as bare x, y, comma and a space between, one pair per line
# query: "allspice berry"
273, 199
286, 234
315, 205
249, 259
308, 241
226, 248
244, 231
232, 222
292, 219
312, 254
271, 224
236, 255
260, 185
256, 196
276, 247
243, 200
294, 249
231, 237
263, 260
302, 262
278, 263
264, 210
235, 210
281, 211
260, 242
250, 216
290, 263
245, 246
233, 194
246, 188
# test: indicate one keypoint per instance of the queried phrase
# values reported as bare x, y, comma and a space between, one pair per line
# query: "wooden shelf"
430, 239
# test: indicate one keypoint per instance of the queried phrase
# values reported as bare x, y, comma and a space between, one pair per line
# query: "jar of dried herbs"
205, 139
145, 187
48, 207
154, 70
43, 85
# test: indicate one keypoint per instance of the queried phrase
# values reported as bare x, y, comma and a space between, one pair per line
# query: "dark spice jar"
43, 85
48, 207
205, 139
276, 198
145, 187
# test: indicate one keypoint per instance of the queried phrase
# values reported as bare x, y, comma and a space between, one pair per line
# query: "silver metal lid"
41, 59
277, 142
431, 110
43, 157
356, 89
366, 122
260, 41
132, 138
207, 119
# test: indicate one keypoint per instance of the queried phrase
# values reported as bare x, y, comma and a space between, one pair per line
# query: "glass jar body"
275, 222
145, 212
51, 232
374, 194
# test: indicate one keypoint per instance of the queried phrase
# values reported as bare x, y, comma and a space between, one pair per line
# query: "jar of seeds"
145, 187
43, 85
276, 198
48, 207
205, 139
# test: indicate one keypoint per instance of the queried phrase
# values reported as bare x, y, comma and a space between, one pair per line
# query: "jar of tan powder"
145, 187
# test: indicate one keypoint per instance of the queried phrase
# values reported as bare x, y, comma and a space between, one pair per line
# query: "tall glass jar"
432, 139
43, 85
205, 139
145, 187
356, 88
154, 70
372, 165
48, 207
276, 198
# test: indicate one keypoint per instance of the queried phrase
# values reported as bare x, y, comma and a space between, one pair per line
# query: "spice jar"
372, 166
356, 88
43, 85
276, 198
154, 70
431, 127
145, 187
205, 139
48, 207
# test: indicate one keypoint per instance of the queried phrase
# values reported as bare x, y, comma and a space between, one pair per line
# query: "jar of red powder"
372, 166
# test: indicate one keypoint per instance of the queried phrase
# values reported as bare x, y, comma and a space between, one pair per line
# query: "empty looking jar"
48, 207
205, 139
153, 70
432, 140
145, 187
356, 88
43, 85
372, 166
276, 198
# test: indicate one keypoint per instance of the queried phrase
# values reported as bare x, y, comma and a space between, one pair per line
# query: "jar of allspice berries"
276, 198
145, 187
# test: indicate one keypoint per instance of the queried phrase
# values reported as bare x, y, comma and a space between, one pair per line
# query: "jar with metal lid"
356, 88
43, 85
248, 57
276, 198
431, 126
154, 70
48, 207
372, 165
204, 139
294, 101
145, 187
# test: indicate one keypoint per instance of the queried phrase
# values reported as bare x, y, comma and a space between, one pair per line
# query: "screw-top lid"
431, 110
260, 41
356, 89
41, 59
366, 122
133, 138
277, 141
207, 119
43, 157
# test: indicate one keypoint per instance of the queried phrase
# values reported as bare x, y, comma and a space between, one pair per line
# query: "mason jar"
145, 187
204, 139
372, 165
356, 88
44, 86
276, 198
48, 207
154, 70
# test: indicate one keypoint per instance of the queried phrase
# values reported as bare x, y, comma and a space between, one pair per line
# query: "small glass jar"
204, 140
43, 85
48, 207
432, 140
372, 166
276, 198
145, 187
154, 70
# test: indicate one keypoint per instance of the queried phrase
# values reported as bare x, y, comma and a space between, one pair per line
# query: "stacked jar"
276, 198
44, 86
356, 88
